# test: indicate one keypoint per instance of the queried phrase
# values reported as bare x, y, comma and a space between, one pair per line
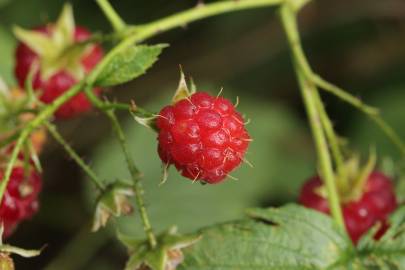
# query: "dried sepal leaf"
113, 202
167, 255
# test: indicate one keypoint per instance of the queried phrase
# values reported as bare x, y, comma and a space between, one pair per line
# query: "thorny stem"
133, 170
333, 141
72, 153
308, 91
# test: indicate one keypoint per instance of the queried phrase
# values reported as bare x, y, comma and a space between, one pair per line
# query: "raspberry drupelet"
20, 200
203, 137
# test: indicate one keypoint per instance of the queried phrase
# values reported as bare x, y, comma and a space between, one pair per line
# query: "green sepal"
166, 255
40, 43
147, 121
183, 91
351, 185
8, 249
57, 51
26, 253
64, 27
113, 202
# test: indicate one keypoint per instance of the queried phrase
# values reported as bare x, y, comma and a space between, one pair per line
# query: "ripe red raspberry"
377, 202
20, 200
203, 136
61, 77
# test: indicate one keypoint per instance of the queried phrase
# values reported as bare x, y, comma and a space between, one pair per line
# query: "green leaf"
129, 64
291, 237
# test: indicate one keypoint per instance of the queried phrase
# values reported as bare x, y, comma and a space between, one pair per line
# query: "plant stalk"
72, 153
116, 21
133, 170
308, 91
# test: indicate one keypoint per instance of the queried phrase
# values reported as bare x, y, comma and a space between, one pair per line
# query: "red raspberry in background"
20, 200
375, 205
203, 136
62, 71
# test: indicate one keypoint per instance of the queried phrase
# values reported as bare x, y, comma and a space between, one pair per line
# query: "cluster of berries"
58, 56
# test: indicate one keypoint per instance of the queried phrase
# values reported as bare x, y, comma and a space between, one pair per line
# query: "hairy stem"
116, 21
345, 96
133, 170
72, 153
308, 91
333, 141
45, 113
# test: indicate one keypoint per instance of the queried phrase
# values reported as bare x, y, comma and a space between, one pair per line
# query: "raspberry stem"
116, 21
334, 144
371, 112
133, 170
45, 113
309, 94
72, 153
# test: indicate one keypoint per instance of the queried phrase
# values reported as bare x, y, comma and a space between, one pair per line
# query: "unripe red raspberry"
20, 200
377, 202
203, 136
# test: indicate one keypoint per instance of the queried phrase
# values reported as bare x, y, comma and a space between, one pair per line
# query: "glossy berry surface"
20, 200
60, 80
203, 136
377, 202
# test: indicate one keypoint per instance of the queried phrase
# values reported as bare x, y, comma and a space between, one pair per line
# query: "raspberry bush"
61, 68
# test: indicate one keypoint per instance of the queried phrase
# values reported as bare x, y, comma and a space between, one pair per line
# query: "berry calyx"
203, 136
58, 61
20, 200
375, 204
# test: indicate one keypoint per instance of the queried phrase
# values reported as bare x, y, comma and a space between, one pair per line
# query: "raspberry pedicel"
203, 136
